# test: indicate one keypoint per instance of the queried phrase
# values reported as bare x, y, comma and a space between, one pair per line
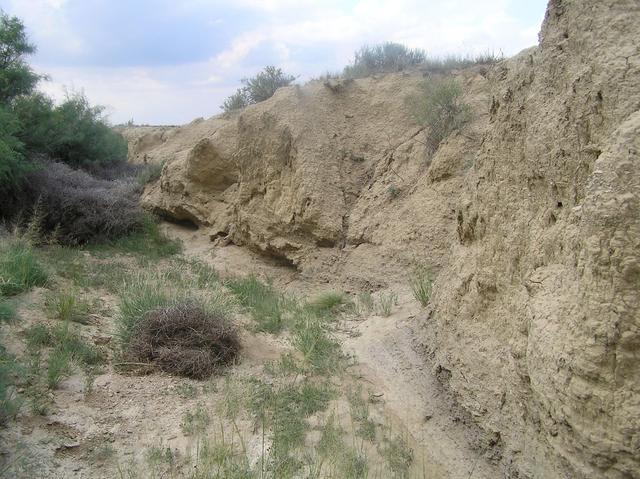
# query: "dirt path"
387, 364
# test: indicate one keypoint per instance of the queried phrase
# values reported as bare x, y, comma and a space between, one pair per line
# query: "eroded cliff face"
536, 317
332, 178
530, 216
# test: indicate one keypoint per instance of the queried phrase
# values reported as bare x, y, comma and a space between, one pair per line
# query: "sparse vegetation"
258, 88
386, 302
421, 285
20, 270
195, 422
263, 302
383, 58
146, 242
150, 173
7, 310
439, 107
68, 305
9, 403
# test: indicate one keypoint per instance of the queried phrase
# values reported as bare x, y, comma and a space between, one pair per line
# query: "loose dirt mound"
185, 340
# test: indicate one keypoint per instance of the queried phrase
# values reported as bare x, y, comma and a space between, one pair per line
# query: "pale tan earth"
529, 218
107, 430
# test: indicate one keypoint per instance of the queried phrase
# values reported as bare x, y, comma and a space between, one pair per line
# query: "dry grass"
184, 339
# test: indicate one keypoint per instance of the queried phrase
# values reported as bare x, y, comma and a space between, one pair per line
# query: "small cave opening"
186, 223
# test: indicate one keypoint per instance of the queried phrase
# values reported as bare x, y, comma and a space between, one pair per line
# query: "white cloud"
292, 32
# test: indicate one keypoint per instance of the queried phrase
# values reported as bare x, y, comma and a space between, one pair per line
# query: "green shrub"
86, 137
421, 285
19, 269
439, 108
258, 88
237, 101
16, 77
12, 164
386, 57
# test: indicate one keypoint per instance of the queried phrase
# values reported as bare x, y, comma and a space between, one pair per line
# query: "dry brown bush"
185, 340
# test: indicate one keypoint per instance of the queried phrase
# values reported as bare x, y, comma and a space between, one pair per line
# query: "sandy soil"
101, 431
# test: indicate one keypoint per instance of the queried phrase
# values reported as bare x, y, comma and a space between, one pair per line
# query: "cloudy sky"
170, 61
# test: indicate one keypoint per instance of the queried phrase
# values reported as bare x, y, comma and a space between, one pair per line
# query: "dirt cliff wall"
536, 317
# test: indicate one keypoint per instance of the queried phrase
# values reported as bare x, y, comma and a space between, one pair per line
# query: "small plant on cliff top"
258, 88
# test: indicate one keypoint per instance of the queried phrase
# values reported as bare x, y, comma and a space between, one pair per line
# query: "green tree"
16, 76
12, 164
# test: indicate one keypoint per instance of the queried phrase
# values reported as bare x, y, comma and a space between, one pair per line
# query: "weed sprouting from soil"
421, 285
263, 302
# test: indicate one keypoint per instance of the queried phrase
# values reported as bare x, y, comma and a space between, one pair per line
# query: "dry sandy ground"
106, 431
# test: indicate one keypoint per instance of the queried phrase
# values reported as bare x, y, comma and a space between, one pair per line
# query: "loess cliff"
529, 218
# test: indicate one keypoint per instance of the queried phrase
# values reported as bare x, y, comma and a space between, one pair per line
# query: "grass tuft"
421, 285
8, 311
386, 302
19, 268
148, 242
262, 300
68, 306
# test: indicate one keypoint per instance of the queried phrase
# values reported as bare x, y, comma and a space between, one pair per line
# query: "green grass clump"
283, 409
58, 367
364, 302
38, 336
150, 173
386, 302
8, 311
9, 403
19, 269
137, 297
262, 300
327, 303
68, 349
148, 243
312, 339
195, 422
68, 306
421, 285
398, 454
